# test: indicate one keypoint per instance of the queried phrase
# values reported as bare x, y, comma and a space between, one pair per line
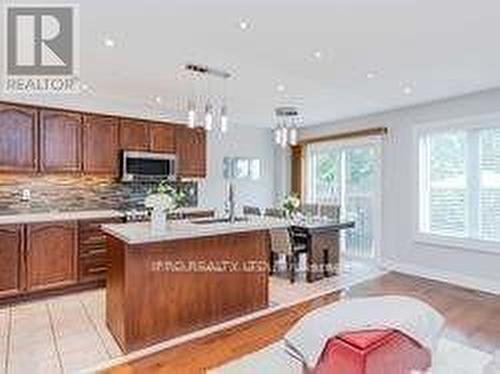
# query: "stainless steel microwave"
147, 166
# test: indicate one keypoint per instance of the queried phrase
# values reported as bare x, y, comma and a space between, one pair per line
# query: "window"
460, 183
347, 174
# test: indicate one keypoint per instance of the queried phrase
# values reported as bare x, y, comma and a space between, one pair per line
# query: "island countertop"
141, 232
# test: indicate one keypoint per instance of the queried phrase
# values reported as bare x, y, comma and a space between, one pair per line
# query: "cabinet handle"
97, 270
96, 252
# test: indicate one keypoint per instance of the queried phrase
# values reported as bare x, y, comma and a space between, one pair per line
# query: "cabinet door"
60, 141
18, 138
162, 138
100, 144
134, 135
51, 255
11, 246
191, 152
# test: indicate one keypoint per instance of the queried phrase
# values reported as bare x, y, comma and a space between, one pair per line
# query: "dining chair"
274, 212
282, 243
251, 210
309, 209
330, 211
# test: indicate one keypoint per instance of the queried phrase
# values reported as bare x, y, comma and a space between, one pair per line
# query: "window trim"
441, 240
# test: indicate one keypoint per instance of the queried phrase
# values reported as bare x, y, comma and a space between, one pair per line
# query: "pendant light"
215, 112
286, 130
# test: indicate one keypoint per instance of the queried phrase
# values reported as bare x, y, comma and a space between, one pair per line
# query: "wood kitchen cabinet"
93, 259
47, 140
191, 152
51, 250
18, 138
100, 144
147, 136
11, 250
162, 138
134, 135
60, 141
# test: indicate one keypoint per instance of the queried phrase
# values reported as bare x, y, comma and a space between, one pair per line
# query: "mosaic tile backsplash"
74, 193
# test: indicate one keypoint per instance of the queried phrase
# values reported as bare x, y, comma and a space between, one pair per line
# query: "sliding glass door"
348, 174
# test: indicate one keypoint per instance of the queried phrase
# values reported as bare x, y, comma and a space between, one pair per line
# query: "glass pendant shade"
284, 137
293, 136
191, 118
277, 135
209, 118
223, 119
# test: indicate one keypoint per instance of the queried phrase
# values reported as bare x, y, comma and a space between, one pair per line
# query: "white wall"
239, 141
398, 248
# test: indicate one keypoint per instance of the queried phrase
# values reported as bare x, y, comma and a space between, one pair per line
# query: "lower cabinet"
92, 253
11, 251
51, 250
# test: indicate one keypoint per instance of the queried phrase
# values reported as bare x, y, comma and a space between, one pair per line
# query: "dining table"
322, 239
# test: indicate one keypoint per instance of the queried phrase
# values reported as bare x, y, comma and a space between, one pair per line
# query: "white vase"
158, 220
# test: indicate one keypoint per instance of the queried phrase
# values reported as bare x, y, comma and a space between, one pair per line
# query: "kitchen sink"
208, 221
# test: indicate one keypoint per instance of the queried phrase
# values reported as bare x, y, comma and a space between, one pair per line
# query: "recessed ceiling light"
158, 99
318, 54
244, 25
407, 90
371, 75
280, 88
108, 42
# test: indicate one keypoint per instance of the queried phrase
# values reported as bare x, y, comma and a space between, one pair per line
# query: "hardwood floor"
472, 319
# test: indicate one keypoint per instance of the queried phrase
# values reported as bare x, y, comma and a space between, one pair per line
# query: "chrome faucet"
231, 204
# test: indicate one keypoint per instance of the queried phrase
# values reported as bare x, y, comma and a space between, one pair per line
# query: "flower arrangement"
164, 198
291, 204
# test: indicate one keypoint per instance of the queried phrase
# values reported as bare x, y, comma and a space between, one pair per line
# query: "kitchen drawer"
95, 225
95, 252
93, 269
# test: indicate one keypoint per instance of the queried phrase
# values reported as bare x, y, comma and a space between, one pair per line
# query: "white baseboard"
465, 281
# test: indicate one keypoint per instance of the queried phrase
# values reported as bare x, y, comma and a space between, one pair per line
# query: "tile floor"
67, 334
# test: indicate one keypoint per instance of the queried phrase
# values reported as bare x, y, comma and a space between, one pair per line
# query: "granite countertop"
141, 233
58, 216
55, 216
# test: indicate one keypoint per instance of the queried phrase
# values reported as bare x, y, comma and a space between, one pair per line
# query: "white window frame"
470, 124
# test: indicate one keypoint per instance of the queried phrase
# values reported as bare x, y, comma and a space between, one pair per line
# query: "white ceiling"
442, 48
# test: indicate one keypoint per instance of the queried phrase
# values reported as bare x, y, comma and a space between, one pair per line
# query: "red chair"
373, 352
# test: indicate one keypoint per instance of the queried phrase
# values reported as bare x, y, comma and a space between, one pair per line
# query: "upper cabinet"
134, 135
100, 144
191, 152
147, 136
60, 141
162, 138
18, 138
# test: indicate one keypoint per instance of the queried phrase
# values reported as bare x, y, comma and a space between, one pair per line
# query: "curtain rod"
346, 135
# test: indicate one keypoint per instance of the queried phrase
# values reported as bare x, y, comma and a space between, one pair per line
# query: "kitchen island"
186, 277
